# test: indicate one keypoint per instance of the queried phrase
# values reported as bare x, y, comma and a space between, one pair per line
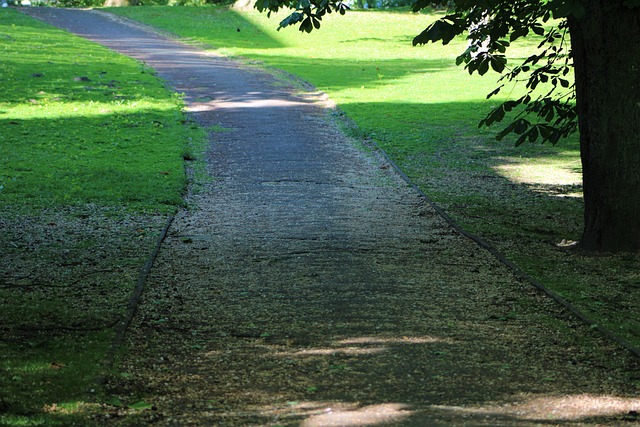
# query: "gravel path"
306, 284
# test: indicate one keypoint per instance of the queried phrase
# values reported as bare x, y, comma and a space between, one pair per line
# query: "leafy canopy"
308, 13
492, 26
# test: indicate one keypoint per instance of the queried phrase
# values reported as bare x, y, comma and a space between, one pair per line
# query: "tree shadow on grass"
353, 73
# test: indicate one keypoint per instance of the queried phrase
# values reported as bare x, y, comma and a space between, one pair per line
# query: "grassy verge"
81, 125
423, 111
91, 164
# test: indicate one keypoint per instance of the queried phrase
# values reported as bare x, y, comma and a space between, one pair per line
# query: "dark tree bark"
606, 50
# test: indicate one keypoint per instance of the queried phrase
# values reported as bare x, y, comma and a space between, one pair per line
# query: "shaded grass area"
91, 164
424, 112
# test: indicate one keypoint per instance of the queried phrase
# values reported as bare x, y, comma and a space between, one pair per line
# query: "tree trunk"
606, 50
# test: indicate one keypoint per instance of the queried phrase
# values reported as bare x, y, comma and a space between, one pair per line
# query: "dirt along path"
306, 284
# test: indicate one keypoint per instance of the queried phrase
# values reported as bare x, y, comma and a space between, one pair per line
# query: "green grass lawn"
91, 165
81, 125
423, 110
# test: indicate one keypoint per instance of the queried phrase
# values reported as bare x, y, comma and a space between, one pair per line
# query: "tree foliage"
492, 26
308, 13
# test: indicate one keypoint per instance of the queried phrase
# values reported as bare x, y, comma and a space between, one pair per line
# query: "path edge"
515, 269
123, 325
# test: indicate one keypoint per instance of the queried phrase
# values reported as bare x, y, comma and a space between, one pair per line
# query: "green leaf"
483, 67
419, 5
495, 91
545, 131
438, 31
521, 126
140, 406
495, 115
307, 25
518, 32
114, 401
555, 137
537, 29
510, 105
498, 63
292, 19
463, 58
549, 115
565, 8
506, 131
521, 140
501, 45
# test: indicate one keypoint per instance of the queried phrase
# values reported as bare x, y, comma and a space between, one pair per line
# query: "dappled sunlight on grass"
34, 367
554, 171
316, 413
68, 408
543, 175
367, 345
64, 110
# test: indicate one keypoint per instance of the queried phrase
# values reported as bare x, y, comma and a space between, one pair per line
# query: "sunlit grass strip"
81, 124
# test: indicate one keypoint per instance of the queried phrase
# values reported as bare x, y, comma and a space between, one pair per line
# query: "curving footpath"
307, 284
